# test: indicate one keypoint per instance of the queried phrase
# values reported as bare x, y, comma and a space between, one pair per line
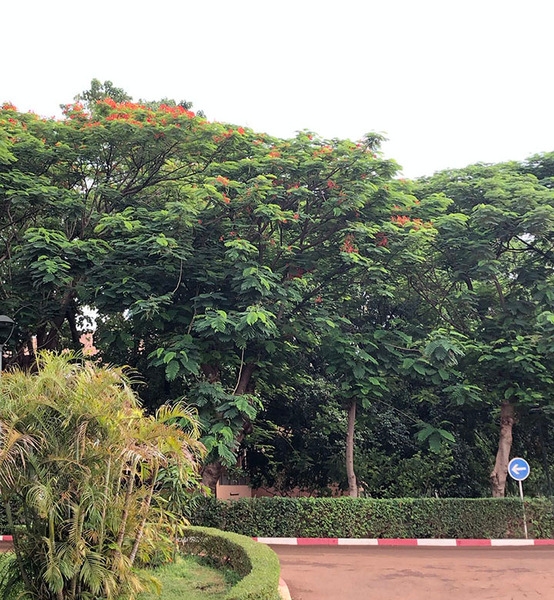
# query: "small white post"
523, 506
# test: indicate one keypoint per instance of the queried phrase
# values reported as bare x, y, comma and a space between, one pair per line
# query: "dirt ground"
420, 573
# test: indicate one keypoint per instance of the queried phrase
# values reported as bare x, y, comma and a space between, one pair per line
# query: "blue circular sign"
519, 469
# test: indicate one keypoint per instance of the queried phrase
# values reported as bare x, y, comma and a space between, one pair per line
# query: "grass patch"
191, 578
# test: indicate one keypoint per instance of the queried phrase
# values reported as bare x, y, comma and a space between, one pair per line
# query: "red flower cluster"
121, 105
348, 245
176, 111
403, 220
381, 239
400, 219
222, 180
123, 116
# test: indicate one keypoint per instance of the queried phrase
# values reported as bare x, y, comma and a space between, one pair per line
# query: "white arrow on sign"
518, 468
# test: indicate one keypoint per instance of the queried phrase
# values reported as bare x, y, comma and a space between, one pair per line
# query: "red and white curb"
6, 538
400, 542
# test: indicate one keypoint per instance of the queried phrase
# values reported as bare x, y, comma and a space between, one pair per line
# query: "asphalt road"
417, 573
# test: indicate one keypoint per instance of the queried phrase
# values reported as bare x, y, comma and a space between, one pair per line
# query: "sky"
448, 82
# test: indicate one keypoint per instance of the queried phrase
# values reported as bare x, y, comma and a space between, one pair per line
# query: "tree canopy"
274, 282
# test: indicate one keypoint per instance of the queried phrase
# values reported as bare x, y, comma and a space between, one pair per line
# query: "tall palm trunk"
145, 508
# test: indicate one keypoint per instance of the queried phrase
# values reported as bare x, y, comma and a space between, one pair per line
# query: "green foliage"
368, 518
191, 578
238, 269
82, 479
256, 563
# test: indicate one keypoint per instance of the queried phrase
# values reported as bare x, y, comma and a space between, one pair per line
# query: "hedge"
370, 518
256, 563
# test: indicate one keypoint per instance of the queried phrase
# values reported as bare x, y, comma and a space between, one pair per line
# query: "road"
417, 573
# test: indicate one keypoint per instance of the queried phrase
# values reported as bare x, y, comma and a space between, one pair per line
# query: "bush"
390, 518
81, 479
256, 563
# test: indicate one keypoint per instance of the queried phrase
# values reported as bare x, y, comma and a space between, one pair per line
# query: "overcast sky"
449, 82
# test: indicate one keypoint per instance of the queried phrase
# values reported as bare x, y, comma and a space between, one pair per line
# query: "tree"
273, 231
99, 91
204, 248
81, 478
58, 180
490, 280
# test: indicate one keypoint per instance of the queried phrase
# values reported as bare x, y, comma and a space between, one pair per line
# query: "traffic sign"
519, 469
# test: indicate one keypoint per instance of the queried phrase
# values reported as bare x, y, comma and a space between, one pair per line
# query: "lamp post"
7, 326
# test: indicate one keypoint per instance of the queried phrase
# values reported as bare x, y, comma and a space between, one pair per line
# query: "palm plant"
80, 467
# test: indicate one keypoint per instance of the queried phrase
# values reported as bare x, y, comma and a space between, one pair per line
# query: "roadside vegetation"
191, 578
289, 311
82, 473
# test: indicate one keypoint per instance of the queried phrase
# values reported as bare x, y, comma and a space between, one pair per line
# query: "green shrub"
256, 563
81, 480
390, 518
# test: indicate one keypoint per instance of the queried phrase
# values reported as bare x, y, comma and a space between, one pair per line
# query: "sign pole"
519, 469
523, 506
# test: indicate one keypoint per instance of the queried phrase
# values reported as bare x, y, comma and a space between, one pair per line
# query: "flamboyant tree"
204, 249
280, 226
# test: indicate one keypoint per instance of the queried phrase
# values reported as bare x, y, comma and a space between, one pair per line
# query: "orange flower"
348, 245
400, 219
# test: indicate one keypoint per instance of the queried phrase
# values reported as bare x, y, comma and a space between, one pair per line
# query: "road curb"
284, 589
402, 542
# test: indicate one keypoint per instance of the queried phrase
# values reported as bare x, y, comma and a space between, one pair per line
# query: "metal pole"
1, 356
523, 506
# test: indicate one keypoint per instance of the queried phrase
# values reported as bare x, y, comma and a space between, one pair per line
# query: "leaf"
252, 317
172, 369
419, 368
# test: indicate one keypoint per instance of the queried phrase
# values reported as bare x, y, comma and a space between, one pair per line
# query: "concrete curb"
284, 589
401, 542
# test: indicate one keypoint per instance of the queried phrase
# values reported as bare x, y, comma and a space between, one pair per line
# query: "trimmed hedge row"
256, 563
369, 518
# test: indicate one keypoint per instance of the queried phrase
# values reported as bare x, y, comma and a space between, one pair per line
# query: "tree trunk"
211, 474
352, 483
212, 471
500, 471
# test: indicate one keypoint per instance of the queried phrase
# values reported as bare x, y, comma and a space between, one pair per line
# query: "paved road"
420, 573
